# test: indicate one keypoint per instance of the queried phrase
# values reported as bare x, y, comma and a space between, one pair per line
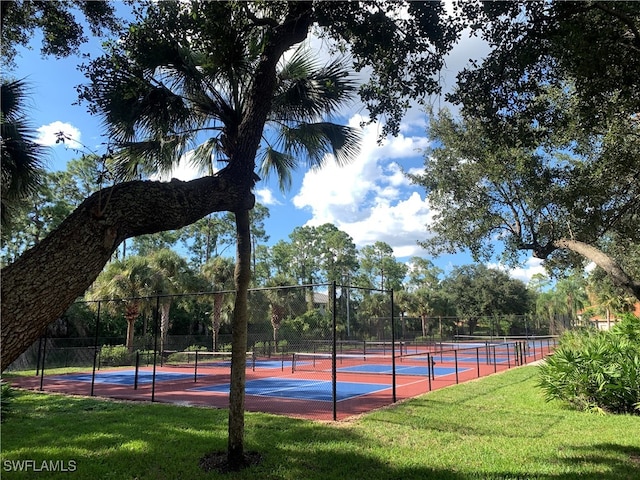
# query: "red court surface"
363, 383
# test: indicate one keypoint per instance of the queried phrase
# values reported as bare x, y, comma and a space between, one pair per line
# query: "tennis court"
311, 385
401, 370
301, 389
124, 377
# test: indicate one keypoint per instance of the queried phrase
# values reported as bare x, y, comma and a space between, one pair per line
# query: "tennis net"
202, 359
323, 362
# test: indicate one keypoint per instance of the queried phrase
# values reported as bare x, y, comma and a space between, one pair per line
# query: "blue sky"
370, 199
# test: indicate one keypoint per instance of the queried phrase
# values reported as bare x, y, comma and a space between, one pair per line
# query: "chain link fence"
325, 350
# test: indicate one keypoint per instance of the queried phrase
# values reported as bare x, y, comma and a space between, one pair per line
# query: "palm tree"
571, 289
181, 91
127, 283
284, 302
22, 162
170, 271
405, 303
219, 274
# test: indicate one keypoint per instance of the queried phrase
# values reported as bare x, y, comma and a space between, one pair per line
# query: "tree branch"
40, 286
624, 19
618, 276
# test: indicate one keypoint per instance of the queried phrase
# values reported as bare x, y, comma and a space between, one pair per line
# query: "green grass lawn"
497, 427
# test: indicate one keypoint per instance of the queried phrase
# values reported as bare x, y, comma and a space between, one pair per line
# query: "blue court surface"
400, 369
272, 364
126, 377
300, 389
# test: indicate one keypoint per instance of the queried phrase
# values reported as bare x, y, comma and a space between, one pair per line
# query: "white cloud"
265, 197
49, 135
524, 273
370, 199
185, 170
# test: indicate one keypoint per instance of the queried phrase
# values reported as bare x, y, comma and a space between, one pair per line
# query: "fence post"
44, 358
39, 356
393, 352
155, 349
95, 349
334, 371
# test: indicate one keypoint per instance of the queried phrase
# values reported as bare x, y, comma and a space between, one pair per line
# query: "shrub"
6, 397
115, 355
596, 370
196, 348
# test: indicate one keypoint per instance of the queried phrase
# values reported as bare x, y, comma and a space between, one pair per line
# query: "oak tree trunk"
41, 285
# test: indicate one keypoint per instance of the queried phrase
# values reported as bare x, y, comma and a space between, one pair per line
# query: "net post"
455, 356
487, 352
429, 370
135, 375
478, 360
195, 367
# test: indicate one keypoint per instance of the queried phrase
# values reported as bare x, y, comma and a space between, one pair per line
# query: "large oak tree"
564, 208
401, 44
546, 155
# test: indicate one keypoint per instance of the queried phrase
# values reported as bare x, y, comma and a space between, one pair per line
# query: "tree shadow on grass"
127, 440
621, 461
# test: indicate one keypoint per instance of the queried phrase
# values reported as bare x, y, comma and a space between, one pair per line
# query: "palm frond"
208, 152
279, 163
315, 140
135, 159
299, 65
308, 92
161, 96
22, 157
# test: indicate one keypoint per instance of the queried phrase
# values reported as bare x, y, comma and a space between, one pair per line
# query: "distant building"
600, 321
320, 301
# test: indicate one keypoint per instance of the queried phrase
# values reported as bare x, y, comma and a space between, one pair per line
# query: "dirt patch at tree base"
218, 461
